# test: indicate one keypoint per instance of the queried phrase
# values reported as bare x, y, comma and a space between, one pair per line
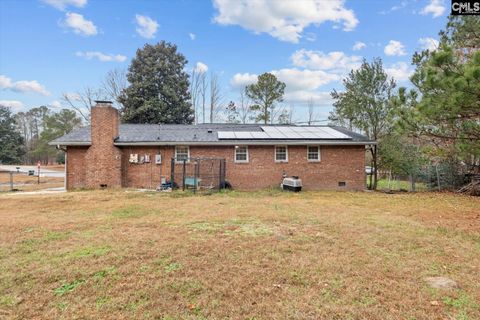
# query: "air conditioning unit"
292, 184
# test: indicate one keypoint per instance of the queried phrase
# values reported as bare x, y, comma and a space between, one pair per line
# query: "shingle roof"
181, 133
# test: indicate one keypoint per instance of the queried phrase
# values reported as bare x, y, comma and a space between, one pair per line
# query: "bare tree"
312, 117
244, 111
283, 115
231, 113
83, 101
195, 91
203, 92
215, 96
113, 85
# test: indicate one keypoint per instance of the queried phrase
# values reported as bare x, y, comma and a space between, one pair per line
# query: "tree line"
156, 89
24, 136
437, 121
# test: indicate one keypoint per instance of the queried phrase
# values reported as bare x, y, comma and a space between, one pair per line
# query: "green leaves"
365, 103
158, 90
11, 141
448, 84
265, 93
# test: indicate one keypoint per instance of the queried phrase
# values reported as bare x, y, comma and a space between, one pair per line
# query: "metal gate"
198, 174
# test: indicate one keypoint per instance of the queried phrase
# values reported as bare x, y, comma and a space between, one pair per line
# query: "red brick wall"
76, 167
146, 175
103, 160
105, 164
338, 163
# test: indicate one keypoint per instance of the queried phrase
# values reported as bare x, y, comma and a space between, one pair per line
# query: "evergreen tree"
265, 94
158, 87
448, 83
11, 141
55, 125
365, 104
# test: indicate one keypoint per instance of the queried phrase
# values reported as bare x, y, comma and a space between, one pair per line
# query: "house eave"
224, 143
70, 143
244, 142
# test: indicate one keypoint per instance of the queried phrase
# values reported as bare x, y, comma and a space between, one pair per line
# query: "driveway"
43, 171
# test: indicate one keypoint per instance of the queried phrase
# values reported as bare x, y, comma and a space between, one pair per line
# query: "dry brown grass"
266, 255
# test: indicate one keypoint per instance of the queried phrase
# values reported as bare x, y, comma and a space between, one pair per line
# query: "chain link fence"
442, 176
14, 180
198, 174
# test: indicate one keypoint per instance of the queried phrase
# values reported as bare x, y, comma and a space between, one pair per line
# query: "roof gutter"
224, 143
245, 142
69, 143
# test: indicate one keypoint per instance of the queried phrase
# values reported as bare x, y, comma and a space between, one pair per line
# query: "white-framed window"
182, 153
241, 154
313, 153
281, 154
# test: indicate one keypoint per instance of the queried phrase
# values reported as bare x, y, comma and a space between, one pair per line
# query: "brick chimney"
103, 158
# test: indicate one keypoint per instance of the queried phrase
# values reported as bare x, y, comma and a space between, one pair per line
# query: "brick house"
110, 154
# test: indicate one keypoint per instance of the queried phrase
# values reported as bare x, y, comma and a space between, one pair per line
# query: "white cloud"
400, 71
320, 98
201, 67
335, 61
396, 7
301, 85
30, 86
12, 104
395, 48
192, 36
146, 26
359, 46
22, 86
428, 43
89, 55
304, 79
284, 20
5, 82
240, 80
56, 104
79, 24
63, 4
436, 8
313, 70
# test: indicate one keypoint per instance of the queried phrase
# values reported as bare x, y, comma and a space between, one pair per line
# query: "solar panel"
243, 135
268, 128
285, 133
259, 135
334, 133
226, 135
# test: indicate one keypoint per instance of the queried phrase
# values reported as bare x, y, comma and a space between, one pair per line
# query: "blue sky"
51, 47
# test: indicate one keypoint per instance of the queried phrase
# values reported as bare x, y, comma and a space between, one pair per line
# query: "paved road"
43, 171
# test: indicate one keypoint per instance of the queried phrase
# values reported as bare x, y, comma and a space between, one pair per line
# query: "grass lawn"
266, 255
384, 184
